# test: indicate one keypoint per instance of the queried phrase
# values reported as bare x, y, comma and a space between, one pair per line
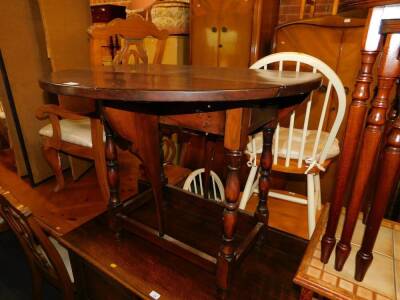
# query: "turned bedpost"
388, 176
388, 71
355, 121
234, 142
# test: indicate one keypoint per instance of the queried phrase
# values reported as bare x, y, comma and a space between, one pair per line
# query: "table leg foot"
226, 256
262, 213
342, 253
363, 261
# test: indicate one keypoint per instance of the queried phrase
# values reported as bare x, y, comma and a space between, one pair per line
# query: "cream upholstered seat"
297, 136
76, 132
301, 150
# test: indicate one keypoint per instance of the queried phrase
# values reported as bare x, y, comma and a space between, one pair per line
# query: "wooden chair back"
132, 33
332, 83
42, 256
194, 184
127, 38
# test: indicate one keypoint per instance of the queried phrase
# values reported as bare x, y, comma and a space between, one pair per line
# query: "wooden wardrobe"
231, 33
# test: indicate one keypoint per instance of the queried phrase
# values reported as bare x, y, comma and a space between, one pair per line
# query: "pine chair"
303, 150
46, 257
194, 184
83, 136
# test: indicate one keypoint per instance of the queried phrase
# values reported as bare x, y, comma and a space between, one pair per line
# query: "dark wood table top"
170, 83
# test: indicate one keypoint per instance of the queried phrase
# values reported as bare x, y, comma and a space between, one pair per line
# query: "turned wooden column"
355, 121
235, 139
265, 170
112, 167
388, 71
388, 177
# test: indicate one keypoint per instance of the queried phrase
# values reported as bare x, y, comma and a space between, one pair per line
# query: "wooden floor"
81, 201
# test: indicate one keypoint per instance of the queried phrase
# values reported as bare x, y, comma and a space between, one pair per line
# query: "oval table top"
171, 83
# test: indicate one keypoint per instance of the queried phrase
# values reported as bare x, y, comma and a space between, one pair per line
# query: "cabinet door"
204, 32
236, 22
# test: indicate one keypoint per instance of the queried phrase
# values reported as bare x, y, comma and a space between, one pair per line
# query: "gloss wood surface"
168, 83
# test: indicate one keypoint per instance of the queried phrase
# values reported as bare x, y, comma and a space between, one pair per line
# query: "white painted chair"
300, 150
194, 184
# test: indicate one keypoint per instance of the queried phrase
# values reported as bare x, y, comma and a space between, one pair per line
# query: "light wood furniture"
304, 147
152, 89
231, 33
73, 134
52, 46
47, 259
380, 283
83, 136
130, 35
372, 135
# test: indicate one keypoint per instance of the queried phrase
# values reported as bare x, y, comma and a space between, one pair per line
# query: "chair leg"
317, 186
306, 294
310, 204
248, 189
52, 157
37, 284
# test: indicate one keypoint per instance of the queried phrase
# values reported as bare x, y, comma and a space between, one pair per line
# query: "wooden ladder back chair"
301, 149
43, 257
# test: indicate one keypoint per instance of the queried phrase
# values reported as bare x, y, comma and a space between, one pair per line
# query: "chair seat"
296, 144
76, 132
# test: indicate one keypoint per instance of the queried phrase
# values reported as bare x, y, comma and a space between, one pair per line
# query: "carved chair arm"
46, 110
55, 113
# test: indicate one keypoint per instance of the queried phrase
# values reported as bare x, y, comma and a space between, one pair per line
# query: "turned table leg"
226, 256
388, 71
235, 139
388, 176
355, 121
265, 170
112, 167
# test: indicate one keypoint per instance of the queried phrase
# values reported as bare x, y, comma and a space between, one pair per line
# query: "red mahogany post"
388, 71
388, 177
355, 121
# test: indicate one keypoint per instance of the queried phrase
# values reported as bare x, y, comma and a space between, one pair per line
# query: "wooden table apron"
133, 98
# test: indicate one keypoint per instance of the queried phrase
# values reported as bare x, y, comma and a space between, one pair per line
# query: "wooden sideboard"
231, 33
